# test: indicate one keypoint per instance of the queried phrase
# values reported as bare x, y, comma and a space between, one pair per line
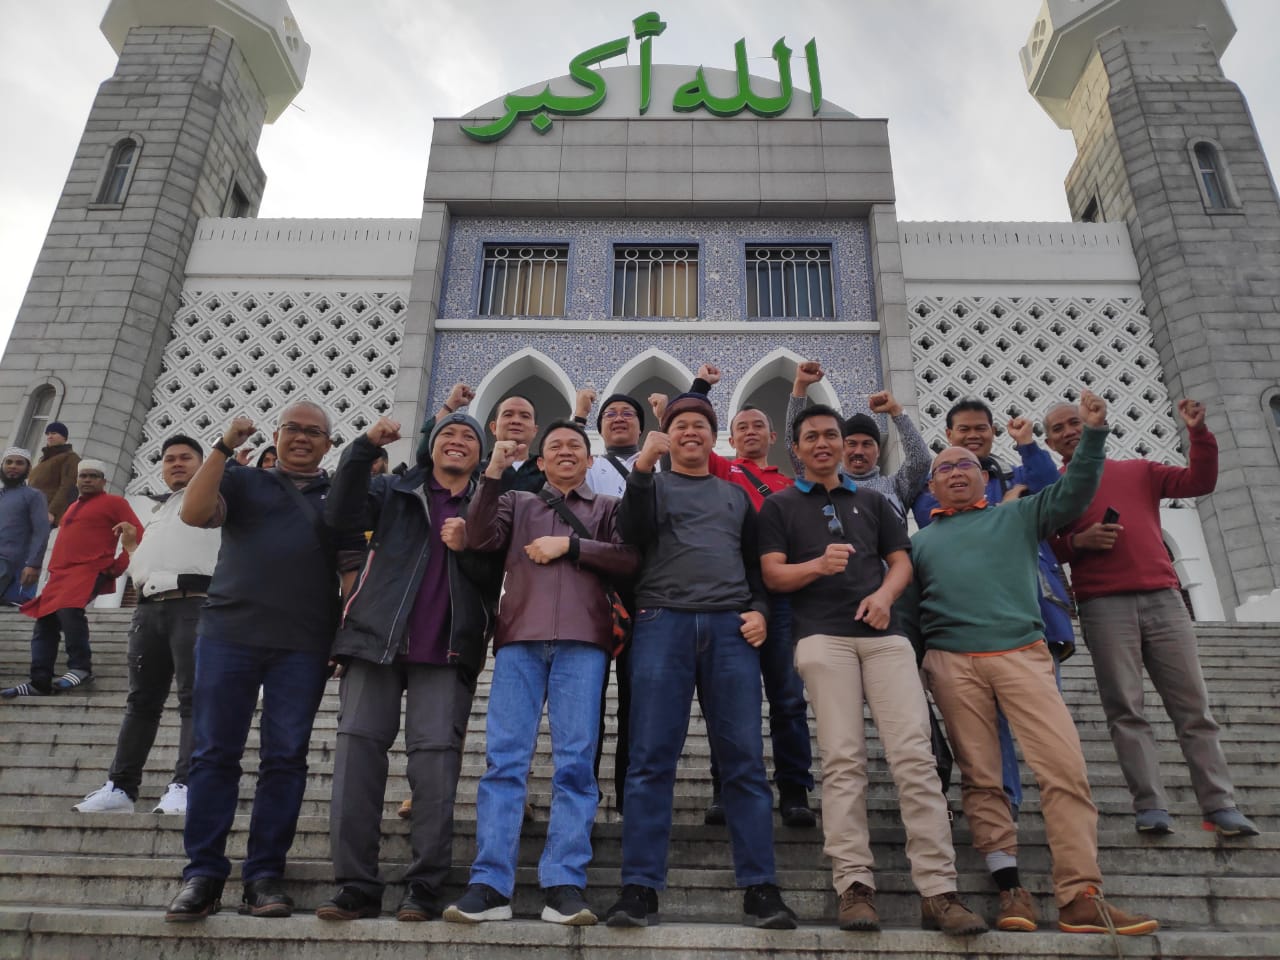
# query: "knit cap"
862, 424
689, 403
459, 417
619, 398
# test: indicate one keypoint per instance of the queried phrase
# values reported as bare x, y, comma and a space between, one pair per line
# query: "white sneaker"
108, 798
174, 800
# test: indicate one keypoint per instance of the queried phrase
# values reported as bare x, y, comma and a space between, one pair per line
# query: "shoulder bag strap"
556, 503
761, 487
618, 465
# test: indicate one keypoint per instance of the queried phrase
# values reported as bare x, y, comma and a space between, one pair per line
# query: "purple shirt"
429, 619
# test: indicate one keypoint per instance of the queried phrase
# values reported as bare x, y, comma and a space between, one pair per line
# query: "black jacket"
376, 614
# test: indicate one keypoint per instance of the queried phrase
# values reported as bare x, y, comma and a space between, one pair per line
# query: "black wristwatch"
223, 449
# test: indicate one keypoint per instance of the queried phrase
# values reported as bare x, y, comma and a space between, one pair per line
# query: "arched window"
1275, 410
119, 172
1217, 192
39, 413
1271, 405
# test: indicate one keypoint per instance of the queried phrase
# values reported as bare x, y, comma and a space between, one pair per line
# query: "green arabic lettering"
695, 94
539, 106
815, 79
647, 26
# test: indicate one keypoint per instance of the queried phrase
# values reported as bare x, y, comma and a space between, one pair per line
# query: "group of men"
731, 572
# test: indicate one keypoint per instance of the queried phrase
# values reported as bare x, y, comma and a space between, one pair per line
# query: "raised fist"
383, 432
883, 402
459, 396
658, 404
807, 374
1192, 412
240, 430
656, 443
1093, 409
1021, 430
505, 453
710, 373
585, 400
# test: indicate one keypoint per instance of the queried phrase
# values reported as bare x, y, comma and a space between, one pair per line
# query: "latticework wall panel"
254, 352
1023, 354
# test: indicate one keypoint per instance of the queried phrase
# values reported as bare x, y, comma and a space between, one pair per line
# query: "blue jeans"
1009, 771
672, 651
788, 711
566, 676
223, 700
68, 625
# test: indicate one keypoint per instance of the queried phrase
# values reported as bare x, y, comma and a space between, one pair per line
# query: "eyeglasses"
311, 433
834, 526
627, 414
943, 469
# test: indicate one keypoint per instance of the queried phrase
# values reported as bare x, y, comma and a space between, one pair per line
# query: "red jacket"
84, 551
732, 471
1139, 561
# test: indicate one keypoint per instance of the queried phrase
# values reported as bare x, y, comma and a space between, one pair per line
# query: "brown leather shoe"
1017, 911
858, 908
945, 912
1089, 913
406, 809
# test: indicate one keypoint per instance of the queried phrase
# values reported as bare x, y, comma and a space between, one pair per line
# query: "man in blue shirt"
24, 528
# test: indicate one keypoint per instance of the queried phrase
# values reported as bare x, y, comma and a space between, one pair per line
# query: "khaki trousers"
966, 690
839, 673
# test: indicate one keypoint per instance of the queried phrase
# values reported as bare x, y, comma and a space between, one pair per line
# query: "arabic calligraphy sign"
689, 98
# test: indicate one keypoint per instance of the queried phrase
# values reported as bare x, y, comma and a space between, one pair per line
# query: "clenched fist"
754, 628
1192, 412
655, 445
240, 430
835, 559
1093, 409
453, 533
505, 453
807, 374
460, 396
383, 432
1021, 430
585, 399
883, 402
710, 373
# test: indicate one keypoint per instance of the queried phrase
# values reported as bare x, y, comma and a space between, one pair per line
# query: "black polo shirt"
793, 523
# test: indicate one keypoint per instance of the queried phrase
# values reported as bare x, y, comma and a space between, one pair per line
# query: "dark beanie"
862, 424
632, 402
689, 403
57, 427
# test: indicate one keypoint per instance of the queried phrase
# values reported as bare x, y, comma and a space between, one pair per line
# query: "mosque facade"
618, 226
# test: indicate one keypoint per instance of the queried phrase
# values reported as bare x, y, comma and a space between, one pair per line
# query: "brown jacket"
55, 477
564, 599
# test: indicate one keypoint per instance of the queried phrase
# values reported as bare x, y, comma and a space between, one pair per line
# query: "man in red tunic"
85, 563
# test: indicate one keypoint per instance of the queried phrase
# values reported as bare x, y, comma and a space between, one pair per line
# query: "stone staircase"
74, 885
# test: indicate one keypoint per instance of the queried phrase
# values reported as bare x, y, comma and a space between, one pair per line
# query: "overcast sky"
968, 142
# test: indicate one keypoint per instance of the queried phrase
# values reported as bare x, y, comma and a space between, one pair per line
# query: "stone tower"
171, 138
1165, 144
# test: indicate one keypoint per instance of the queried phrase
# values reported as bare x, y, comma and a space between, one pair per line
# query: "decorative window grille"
524, 281
40, 410
1210, 170
655, 281
116, 180
789, 282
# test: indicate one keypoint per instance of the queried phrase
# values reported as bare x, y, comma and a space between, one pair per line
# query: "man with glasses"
268, 623
984, 640
841, 553
85, 564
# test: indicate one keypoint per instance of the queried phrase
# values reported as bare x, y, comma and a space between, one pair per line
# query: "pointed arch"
780, 363
651, 364
520, 366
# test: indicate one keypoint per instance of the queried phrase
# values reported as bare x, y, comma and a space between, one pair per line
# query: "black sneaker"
349, 903
714, 817
637, 906
568, 906
762, 903
793, 804
420, 903
480, 903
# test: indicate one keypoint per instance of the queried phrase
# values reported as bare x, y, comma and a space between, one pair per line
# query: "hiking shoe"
72, 679
23, 690
108, 798
568, 906
1230, 822
793, 804
637, 906
406, 809
858, 908
266, 898
349, 903
1155, 822
762, 903
945, 912
420, 903
199, 897
1089, 913
1017, 911
714, 817
479, 903
174, 800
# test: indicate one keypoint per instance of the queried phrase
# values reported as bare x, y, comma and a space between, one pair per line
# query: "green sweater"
976, 588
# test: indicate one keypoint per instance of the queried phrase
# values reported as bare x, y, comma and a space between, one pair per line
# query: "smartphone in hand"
1111, 516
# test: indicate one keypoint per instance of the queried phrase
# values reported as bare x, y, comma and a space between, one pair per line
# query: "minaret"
171, 137
1165, 143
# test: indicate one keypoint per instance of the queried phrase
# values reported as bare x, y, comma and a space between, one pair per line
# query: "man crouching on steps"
562, 551
985, 646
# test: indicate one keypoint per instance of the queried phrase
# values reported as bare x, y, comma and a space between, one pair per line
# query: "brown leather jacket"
563, 599
55, 477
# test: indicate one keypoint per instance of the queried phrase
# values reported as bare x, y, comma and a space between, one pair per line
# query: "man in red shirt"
1132, 615
85, 563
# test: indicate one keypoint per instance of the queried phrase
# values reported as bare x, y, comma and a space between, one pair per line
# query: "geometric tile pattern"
721, 244
253, 352
1023, 354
